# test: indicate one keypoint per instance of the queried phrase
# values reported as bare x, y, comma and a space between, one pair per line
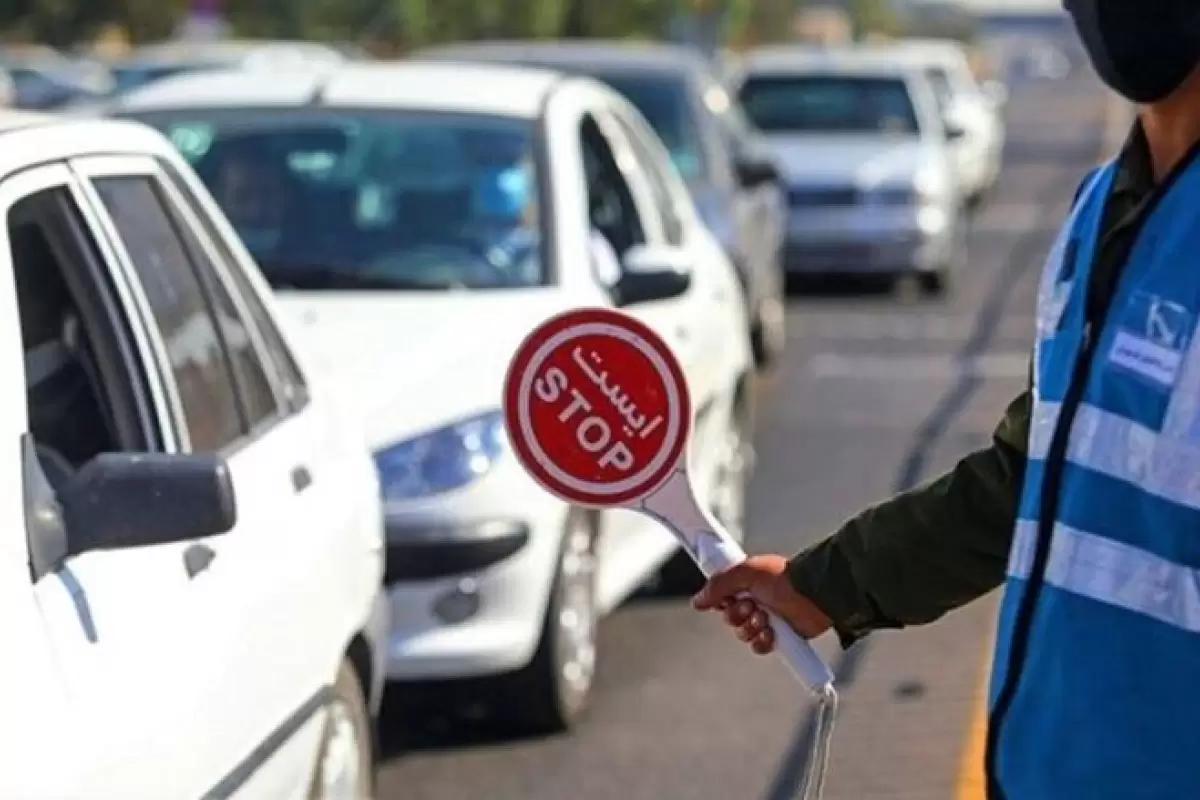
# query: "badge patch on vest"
1151, 339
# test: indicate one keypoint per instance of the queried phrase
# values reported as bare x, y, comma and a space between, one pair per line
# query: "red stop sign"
596, 407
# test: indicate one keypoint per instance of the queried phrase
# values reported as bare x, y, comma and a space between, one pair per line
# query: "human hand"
746, 591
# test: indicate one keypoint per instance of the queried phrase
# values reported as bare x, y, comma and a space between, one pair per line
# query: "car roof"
501, 91
28, 139
804, 59
575, 56
922, 53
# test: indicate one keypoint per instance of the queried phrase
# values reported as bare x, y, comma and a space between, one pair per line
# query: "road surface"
876, 392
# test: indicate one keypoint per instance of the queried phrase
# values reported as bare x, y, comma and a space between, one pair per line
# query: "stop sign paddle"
598, 412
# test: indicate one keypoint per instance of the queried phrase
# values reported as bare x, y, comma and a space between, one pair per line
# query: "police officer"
1087, 503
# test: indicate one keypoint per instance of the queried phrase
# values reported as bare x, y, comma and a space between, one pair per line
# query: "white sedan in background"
417, 221
977, 108
867, 159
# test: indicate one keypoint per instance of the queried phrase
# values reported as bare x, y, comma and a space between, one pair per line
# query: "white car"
417, 221
964, 102
867, 160
190, 536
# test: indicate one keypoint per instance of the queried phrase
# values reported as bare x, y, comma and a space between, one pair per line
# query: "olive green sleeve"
927, 551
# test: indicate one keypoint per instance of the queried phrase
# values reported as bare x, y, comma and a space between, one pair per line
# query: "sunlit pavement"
876, 392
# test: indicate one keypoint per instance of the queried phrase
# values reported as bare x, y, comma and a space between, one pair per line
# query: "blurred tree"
737, 23
771, 20
940, 19
872, 16
578, 19
147, 20
59, 23
399, 23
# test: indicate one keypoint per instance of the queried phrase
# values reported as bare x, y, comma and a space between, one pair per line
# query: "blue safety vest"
1095, 690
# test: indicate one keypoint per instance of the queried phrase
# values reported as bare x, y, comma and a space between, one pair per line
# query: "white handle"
714, 550
714, 553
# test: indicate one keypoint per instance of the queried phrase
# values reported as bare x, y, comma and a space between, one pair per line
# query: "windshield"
330, 199
829, 104
663, 101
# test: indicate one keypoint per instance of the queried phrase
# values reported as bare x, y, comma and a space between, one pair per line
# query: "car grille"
822, 197
829, 255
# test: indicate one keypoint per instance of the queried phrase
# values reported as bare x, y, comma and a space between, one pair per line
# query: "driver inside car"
252, 187
505, 212
505, 207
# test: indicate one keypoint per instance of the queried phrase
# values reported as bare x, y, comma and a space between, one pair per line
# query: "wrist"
822, 577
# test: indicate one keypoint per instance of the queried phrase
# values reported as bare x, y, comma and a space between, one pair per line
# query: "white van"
190, 539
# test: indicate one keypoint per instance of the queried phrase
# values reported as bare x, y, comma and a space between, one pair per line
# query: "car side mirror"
650, 273
120, 500
755, 171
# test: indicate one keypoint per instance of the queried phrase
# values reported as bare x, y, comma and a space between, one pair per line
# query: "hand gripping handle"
714, 550
714, 553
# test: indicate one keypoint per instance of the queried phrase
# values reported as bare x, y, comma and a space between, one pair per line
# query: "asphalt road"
877, 390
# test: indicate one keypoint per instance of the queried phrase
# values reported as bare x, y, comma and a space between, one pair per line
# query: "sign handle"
714, 550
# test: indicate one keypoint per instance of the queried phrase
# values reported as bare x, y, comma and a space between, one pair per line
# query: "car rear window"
829, 104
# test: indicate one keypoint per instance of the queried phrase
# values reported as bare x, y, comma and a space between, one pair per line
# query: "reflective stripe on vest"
1107, 705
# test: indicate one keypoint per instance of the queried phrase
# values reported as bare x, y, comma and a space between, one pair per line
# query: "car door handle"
197, 559
301, 478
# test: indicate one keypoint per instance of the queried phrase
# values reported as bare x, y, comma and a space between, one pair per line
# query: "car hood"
411, 362
843, 159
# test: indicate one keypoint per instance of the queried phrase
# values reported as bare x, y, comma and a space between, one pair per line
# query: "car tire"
345, 768
977, 200
939, 281
935, 283
767, 341
552, 693
680, 576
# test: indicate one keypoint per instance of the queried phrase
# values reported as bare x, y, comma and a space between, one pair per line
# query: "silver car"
867, 158
977, 107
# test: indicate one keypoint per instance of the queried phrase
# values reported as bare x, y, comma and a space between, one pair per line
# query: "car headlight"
441, 460
921, 191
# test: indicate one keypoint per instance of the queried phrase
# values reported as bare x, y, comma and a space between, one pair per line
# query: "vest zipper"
1047, 513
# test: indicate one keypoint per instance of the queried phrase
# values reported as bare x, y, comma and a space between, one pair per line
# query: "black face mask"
1143, 49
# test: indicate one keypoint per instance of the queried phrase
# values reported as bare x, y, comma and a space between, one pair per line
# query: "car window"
611, 208
71, 412
287, 371
182, 312
35, 88
128, 77
333, 199
251, 374
651, 167
663, 100
829, 104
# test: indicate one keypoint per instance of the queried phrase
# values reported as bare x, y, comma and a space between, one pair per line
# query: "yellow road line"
971, 784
